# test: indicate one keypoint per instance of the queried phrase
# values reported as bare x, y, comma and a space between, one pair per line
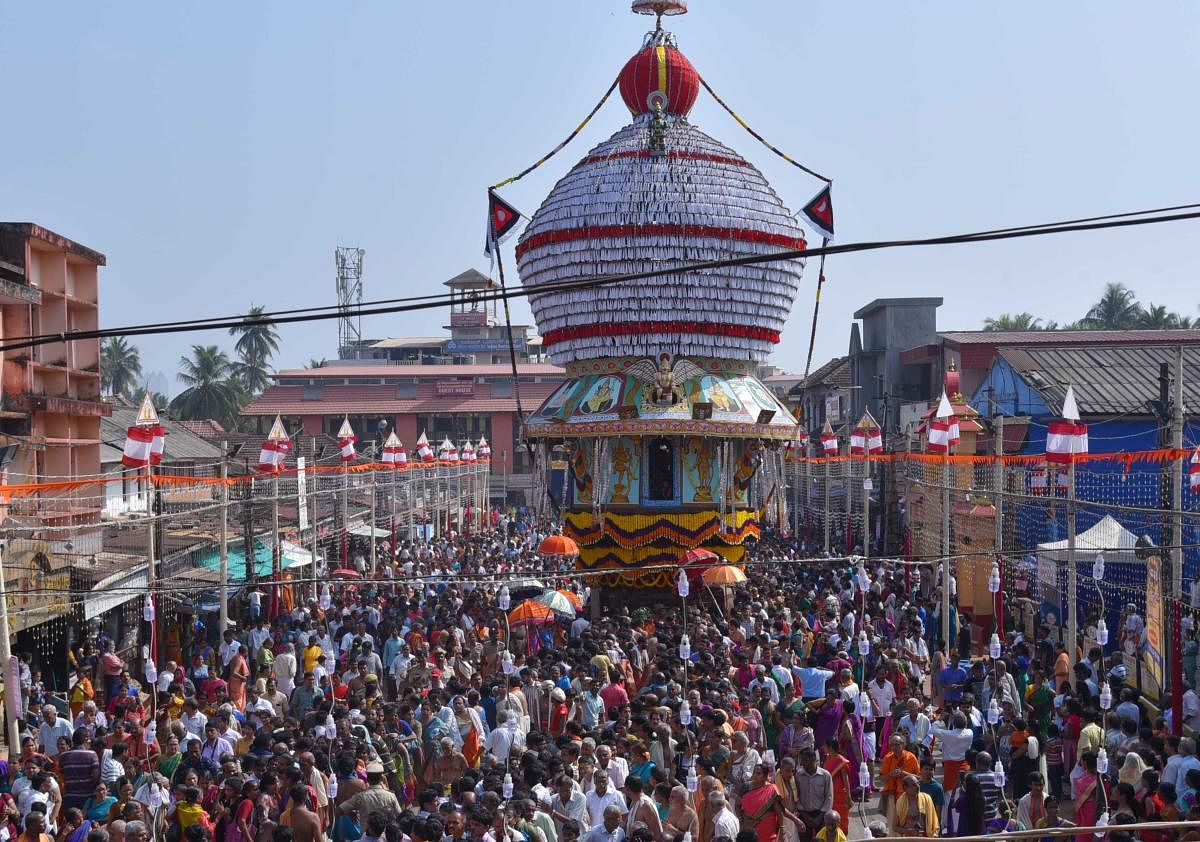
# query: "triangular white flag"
944, 409
1070, 410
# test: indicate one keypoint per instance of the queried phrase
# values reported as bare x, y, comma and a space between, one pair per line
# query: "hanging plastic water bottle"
1101, 632
994, 646
685, 648
998, 773
693, 783
1105, 696
685, 713
1102, 761
993, 713
508, 786
864, 776
331, 788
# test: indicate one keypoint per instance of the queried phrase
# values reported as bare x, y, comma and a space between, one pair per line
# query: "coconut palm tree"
1117, 309
315, 363
1158, 317
1013, 321
257, 338
257, 343
212, 391
120, 367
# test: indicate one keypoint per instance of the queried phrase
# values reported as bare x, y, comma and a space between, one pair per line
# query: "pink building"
458, 402
50, 406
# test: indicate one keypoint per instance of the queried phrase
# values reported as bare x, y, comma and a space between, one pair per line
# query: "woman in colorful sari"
850, 741
761, 807
838, 768
1087, 794
1039, 702
239, 674
470, 730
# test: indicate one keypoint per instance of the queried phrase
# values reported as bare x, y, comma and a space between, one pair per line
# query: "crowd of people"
404, 707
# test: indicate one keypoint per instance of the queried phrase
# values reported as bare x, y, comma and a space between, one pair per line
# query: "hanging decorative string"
760, 138
560, 146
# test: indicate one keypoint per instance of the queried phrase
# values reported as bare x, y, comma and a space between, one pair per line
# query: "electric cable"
410, 304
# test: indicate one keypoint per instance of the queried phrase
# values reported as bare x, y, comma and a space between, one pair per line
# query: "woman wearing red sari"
838, 767
761, 807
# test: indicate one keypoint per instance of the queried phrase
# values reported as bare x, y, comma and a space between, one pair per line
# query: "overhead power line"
429, 302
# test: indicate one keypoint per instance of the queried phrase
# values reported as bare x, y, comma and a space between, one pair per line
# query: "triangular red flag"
819, 212
502, 220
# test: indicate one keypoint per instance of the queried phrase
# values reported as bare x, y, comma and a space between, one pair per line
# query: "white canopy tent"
1108, 535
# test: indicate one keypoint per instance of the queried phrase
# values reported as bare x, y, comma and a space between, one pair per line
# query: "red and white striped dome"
626, 208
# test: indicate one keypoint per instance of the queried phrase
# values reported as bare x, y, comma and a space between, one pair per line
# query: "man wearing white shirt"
725, 823
229, 648
399, 665
192, 717
761, 682
502, 739
609, 830
918, 725
616, 768
567, 804
882, 694
602, 797
259, 635
781, 673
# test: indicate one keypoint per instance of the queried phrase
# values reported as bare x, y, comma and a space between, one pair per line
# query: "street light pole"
224, 597
12, 686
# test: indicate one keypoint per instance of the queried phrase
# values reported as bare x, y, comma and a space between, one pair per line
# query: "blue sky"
218, 152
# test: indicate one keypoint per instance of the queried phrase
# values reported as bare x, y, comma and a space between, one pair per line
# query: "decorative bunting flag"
158, 443
501, 222
802, 441
424, 451
829, 440
1065, 440
1194, 471
275, 449
146, 439
819, 212
943, 429
393, 451
138, 441
484, 450
858, 441
346, 441
874, 441
1068, 438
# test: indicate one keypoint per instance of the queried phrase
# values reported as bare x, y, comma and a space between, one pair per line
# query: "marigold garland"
688, 529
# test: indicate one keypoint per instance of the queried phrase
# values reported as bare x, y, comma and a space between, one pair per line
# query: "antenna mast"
349, 262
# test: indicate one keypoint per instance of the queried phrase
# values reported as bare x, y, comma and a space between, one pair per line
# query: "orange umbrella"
724, 574
558, 545
530, 613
